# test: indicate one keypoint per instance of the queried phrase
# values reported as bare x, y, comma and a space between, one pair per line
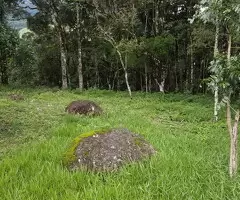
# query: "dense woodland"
149, 45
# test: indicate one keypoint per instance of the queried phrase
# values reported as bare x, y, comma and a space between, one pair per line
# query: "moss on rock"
107, 150
70, 155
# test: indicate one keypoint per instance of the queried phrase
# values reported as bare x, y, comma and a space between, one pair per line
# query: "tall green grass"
191, 163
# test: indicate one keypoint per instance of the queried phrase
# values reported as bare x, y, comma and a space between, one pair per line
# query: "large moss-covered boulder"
84, 107
107, 150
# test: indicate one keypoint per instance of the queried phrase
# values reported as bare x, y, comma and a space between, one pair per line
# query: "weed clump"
84, 107
107, 150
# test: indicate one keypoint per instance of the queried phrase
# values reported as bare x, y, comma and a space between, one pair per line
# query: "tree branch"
28, 7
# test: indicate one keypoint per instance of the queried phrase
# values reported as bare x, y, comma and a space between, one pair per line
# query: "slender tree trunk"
216, 39
156, 19
216, 88
233, 164
233, 132
216, 103
63, 52
191, 67
109, 84
146, 77
176, 77
150, 84
96, 78
63, 62
145, 64
127, 83
160, 85
114, 79
141, 81
229, 49
177, 71
126, 77
146, 22
80, 65
124, 66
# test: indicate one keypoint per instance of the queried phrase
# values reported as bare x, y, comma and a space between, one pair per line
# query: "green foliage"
24, 68
225, 74
129, 49
8, 44
160, 46
155, 38
209, 11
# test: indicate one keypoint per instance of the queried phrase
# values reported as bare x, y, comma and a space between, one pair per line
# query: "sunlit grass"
191, 163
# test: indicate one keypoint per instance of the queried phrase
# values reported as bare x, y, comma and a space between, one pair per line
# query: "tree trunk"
191, 67
126, 77
109, 84
176, 77
80, 66
229, 49
150, 84
124, 66
146, 23
62, 50
216, 89
216, 39
63, 63
233, 132
216, 103
114, 79
141, 82
160, 85
146, 76
156, 17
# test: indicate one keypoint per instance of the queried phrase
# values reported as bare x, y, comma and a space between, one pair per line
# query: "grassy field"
192, 159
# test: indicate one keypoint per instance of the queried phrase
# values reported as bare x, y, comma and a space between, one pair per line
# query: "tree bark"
80, 65
156, 17
146, 77
124, 66
126, 76
233, 132
229, 49
62, 50
216, 88
216, 103
191, 67
216, 39
160, 85
150, 84
63, 62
